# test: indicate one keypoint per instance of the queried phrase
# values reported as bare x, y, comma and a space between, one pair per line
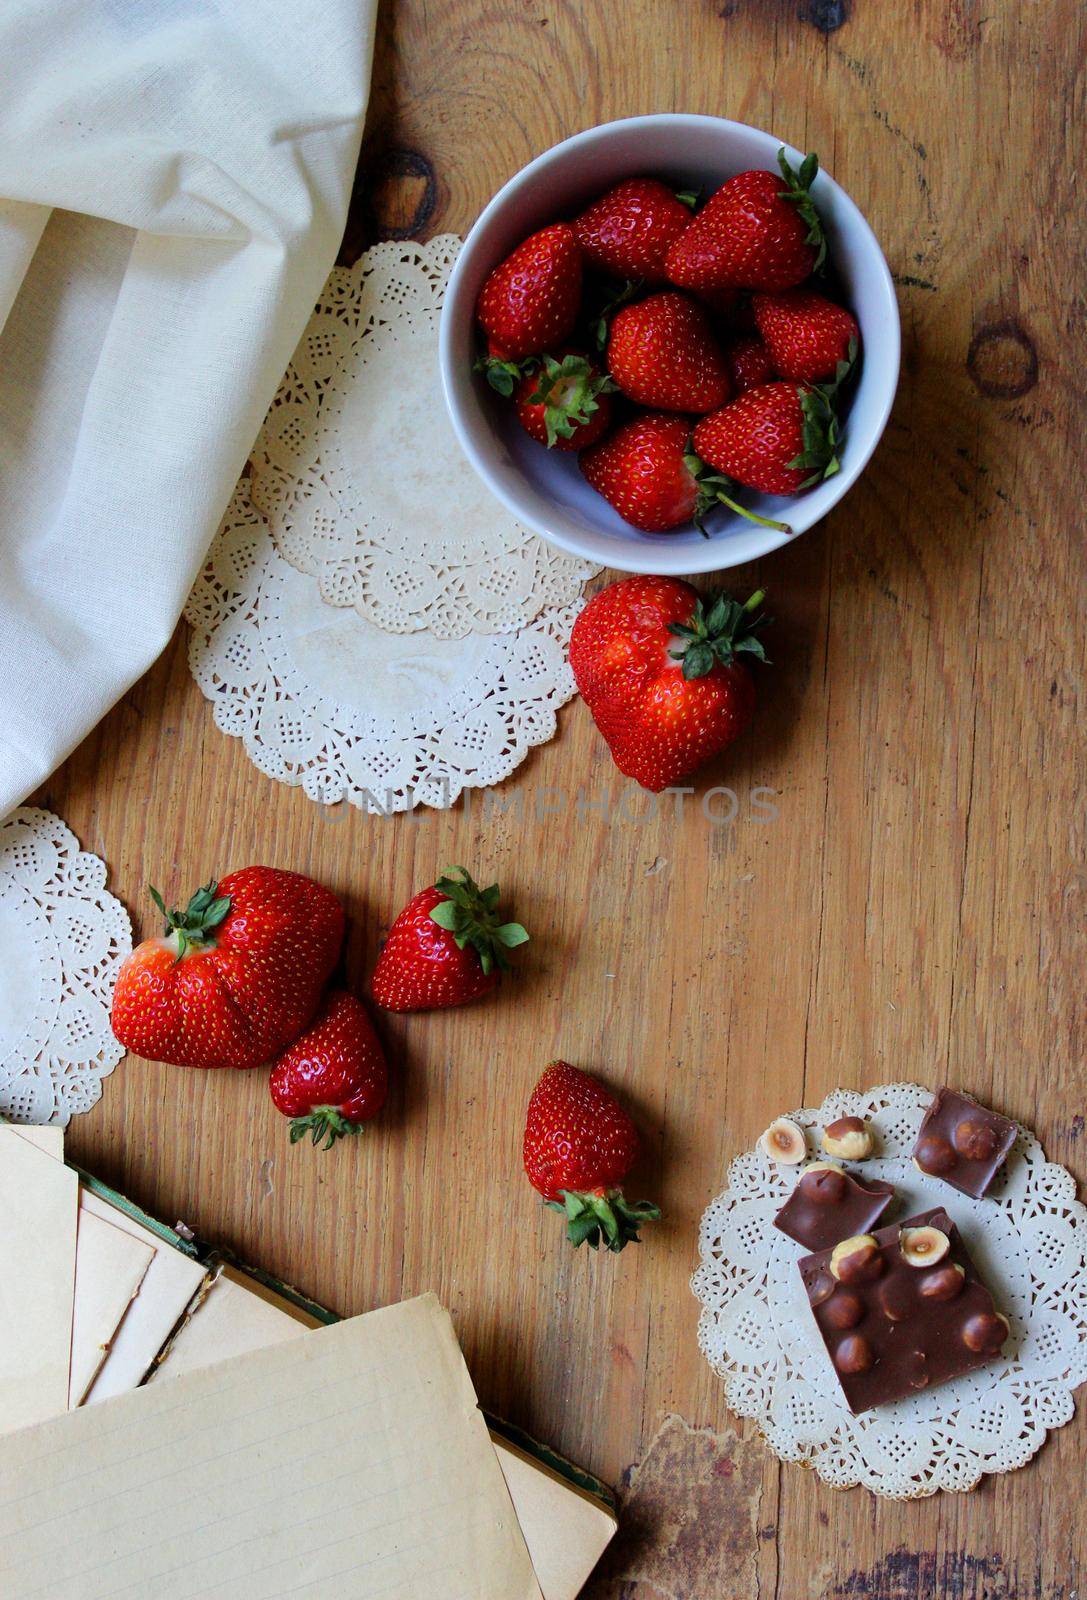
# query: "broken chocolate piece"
901, 1327
963, 1143
829, 1204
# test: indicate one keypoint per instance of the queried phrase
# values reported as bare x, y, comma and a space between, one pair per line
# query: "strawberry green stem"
324, 1124
470, 914
195, 925
598, 1216
714, 488
752, 516
719, 630
568, 390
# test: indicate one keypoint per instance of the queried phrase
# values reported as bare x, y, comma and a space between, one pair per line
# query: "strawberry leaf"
470, 914
820, 433
194, 926
609, 1219
568, 391
324, 1124
798, 186
502, 375
717, 635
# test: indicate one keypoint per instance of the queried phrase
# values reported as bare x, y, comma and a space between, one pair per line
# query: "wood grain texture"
916, 909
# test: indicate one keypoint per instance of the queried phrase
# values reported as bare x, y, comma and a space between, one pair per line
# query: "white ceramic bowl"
544, 488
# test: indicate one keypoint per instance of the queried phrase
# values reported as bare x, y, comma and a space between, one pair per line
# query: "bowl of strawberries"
670, 344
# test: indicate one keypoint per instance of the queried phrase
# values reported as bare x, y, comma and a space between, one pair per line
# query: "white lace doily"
326, 700
363, 483
62, 939
1028, 1238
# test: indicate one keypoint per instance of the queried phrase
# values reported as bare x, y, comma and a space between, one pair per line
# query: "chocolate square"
963, 1143
892, 1329
829, 1204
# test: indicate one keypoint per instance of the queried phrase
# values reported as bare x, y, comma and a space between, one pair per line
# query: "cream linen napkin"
174, 176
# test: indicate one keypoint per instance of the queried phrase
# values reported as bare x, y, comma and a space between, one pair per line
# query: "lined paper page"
110, 1265
39, 1198
171, 1281
350, 1462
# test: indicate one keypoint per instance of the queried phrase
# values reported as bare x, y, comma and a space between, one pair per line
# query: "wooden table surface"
914, 910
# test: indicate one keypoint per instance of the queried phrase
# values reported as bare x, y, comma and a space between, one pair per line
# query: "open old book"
248, 1445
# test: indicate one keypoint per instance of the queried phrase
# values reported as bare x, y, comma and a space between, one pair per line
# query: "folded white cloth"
174, 176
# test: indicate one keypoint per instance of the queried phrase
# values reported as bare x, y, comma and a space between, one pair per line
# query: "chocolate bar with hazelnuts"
829, 1204
962, 1142
901, 1310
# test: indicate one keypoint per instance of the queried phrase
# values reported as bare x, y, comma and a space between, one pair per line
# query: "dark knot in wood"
826, 15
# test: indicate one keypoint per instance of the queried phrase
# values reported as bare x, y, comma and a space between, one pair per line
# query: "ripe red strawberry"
662, 353
446, 947
808, 336
333, 1078
628, 231
530, 301
781, 438
646, 471
236, 976
749, 365
642, 471
756, 232
659, 670
566, 404
579, 1145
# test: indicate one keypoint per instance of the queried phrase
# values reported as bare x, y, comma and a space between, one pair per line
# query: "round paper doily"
1028, 1239
363, 483
62, 939
323, 699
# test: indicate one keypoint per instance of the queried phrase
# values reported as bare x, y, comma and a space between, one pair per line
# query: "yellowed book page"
49, 1139
110, 1265
236, 1315
352, 1461
39, 1198
167, 1289
566, 1530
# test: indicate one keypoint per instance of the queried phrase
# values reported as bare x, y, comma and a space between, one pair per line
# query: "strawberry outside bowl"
545, 489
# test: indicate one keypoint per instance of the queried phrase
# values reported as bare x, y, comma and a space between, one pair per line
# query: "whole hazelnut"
856, 1260
850, 1138
823, 1183
822, 1289
934, 1155
844, 1309
784, 1141
975, 1140
986, 1330
854, 1354
917, 1373
942, 1283
923, 1247
897, 1299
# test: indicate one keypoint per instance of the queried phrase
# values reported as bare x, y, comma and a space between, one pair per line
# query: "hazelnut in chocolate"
848, 1139
829, 1204
901, 1310
963, 1142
